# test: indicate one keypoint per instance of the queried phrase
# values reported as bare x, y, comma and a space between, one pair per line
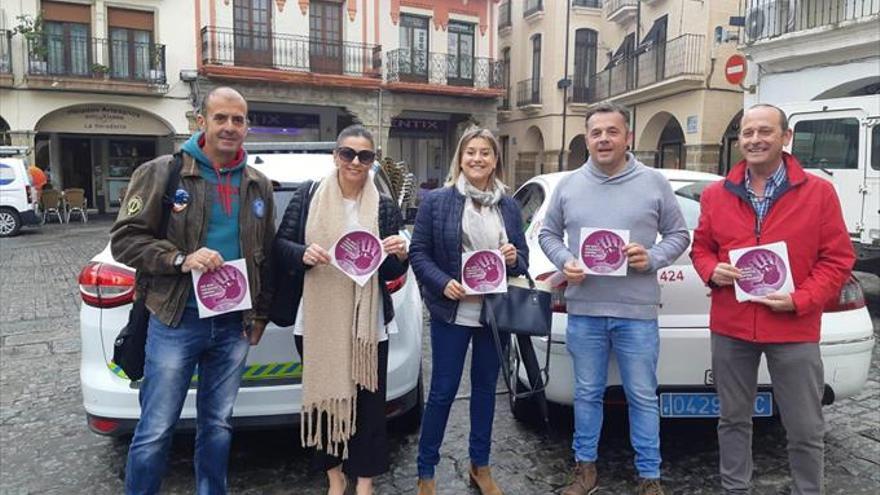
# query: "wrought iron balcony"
620, 11
532, 6
5, 53
418, 66
656, 63
528, 92
239, 48
767, 19
504, 18
96, 58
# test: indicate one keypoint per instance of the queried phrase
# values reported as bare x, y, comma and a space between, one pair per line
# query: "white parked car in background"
18, 198
684, 368
271, 385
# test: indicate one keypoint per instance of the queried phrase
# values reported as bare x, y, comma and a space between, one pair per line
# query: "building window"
536, 69
325, 37
252, 23
828, 143
131, 43
460, 55
505, 58
585, 41
413, 59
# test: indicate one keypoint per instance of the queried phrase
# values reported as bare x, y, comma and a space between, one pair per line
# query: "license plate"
706, 405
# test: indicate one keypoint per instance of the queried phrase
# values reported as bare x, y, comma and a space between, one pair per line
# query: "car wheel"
10, 222
524, 410
411, 421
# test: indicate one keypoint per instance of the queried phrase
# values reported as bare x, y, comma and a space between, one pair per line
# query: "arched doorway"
730, 153
96, 147
530, 160
670, 146
5, 138
577, 152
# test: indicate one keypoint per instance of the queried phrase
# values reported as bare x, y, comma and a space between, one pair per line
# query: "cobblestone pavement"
46, 448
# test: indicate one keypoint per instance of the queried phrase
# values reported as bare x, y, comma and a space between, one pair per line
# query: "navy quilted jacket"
435, 251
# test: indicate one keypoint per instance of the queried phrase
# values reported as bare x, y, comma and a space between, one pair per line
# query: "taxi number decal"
671, 276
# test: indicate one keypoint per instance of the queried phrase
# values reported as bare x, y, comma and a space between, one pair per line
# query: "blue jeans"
449, 345
219, 348
636, 345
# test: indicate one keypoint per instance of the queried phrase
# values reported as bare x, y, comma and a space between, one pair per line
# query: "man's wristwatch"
179, 258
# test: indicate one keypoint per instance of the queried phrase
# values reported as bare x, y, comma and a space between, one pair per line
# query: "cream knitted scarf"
339, 326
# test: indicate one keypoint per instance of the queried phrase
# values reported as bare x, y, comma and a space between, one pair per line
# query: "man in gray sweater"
615, 192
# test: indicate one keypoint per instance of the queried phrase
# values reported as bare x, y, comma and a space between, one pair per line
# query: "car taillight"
103, 425
557, 290
106, 286
395, 285
27, 193
851, 297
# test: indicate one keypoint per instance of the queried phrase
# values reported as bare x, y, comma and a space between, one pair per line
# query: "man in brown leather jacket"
222, 210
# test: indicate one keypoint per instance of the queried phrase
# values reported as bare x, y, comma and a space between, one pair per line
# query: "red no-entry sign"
735, 69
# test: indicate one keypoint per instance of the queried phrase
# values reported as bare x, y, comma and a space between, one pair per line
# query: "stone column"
702, 157
648, 157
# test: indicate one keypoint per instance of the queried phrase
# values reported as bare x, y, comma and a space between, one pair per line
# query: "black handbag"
130, 346
523, 312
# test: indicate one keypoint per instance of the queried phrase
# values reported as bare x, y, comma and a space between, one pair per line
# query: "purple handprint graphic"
763, 272
483, 271
602, 251
358, 253
222, 289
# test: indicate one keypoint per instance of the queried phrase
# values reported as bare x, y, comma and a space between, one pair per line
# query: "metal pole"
565, 86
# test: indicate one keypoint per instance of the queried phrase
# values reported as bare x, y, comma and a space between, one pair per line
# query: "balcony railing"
620, 9
504, 18
408, 65
223, 46
771, 18
5, 54
83, 57
532, 6
596, 4
665, 60
528, 92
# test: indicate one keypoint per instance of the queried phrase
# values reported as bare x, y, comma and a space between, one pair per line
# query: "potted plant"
100, 71
38, 48
157, 64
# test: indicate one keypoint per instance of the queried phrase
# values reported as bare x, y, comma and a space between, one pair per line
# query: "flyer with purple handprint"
765, 270
222, 291
358, 254
483, 272
601, 251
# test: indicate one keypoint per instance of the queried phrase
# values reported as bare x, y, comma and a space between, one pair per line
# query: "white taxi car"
271, 385
684, 368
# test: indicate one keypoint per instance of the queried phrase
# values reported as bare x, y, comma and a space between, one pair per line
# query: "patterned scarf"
340, 345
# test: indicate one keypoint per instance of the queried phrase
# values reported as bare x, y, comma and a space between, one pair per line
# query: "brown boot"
585, 481
482, 478
426, 487
650, 487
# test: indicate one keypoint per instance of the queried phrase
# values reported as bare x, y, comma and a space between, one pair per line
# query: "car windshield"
283, 193
688, 196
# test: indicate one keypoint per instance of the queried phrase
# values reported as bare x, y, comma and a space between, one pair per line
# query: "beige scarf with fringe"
340, 342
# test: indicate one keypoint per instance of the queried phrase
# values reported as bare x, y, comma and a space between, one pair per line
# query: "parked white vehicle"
18, 198
270, 393
838, 139
684, 369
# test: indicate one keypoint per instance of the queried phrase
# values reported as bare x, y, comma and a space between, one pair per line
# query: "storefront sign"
418, 125
102, 119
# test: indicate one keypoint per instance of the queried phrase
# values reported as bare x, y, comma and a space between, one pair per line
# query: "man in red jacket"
768, 198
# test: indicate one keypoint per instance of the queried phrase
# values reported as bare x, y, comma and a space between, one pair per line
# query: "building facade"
92, 88
660, 58
96, 88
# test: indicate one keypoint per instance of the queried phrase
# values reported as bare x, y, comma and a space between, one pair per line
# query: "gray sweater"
638, 199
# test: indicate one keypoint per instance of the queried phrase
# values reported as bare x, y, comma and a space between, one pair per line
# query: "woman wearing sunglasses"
471, 213
340, 326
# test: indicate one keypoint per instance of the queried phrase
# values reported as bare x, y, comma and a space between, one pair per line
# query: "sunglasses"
365, 157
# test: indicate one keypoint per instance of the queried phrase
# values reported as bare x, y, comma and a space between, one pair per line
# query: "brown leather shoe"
650, 487
426, 487
482, 478
585, 481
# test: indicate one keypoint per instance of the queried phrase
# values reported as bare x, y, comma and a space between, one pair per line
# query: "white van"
18, 198
838, 139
